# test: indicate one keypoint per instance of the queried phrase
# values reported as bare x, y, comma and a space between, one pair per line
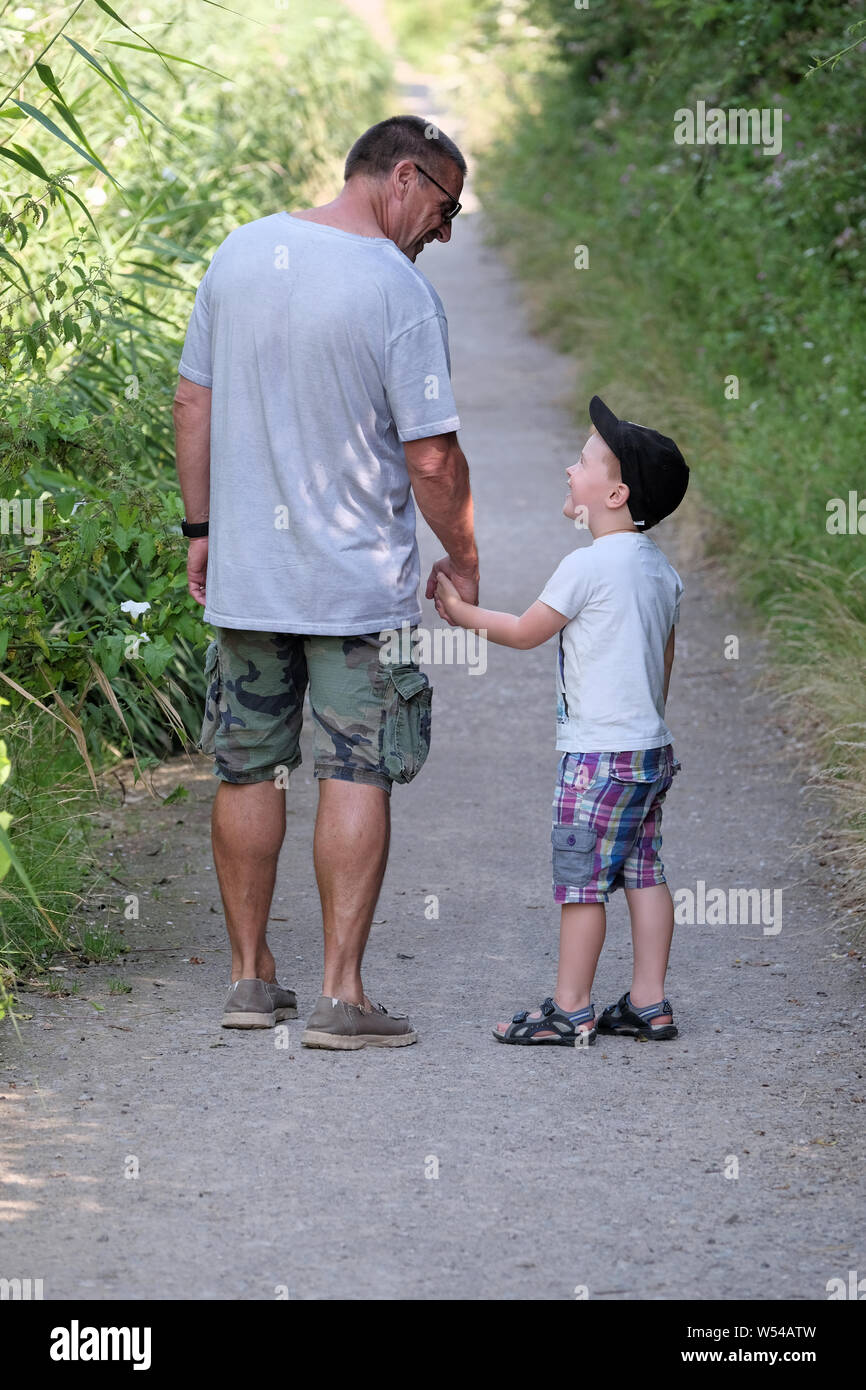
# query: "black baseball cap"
652, 466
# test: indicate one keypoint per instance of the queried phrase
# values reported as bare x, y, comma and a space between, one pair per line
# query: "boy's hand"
448, 599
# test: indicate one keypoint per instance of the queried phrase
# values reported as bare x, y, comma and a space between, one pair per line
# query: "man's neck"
345, 213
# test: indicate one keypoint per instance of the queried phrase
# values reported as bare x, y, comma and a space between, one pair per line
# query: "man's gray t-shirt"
324, 351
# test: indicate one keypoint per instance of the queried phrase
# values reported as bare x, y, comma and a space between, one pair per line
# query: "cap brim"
605, 422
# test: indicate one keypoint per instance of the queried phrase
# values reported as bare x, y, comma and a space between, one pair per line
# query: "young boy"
614, 604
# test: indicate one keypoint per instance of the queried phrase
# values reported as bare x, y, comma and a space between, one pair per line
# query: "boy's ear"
618, 496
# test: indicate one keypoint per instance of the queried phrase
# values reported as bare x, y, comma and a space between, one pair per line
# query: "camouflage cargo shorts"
371, 718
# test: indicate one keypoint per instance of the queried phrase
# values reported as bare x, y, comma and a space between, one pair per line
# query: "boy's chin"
568, 509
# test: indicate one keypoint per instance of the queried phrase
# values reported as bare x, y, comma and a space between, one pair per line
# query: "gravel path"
724, 1165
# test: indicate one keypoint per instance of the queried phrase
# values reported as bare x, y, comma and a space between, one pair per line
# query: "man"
314, 399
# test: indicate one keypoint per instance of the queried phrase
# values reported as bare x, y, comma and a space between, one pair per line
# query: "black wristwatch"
193, 529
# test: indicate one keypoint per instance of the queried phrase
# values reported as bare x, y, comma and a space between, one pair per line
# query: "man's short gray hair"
401, 137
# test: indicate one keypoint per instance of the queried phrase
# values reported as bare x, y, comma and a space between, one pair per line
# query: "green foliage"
738, 265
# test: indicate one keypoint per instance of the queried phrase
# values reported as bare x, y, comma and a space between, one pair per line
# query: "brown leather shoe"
337, 1024
258, 1004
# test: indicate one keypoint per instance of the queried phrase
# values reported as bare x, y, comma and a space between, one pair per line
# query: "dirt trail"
459, 1168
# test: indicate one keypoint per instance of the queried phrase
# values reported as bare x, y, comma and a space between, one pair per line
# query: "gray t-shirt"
324, 351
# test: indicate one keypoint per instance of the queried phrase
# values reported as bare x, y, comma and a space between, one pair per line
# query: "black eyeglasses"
452, 212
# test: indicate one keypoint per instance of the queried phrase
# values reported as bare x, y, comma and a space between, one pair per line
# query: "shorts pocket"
573, 853
406, 735
578, 771
651, 767
213, 682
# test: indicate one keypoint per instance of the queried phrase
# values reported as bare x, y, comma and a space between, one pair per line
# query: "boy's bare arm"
533, 627
669, 660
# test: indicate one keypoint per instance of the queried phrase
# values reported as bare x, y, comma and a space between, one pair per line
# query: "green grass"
99, 944
59, 988
49, 797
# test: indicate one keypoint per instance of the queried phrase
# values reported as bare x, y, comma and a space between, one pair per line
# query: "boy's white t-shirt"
622, 596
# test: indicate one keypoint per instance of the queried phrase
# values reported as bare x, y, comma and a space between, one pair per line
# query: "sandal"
523, 1029
623, 1018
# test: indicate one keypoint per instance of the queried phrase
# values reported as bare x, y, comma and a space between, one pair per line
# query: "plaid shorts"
607, 822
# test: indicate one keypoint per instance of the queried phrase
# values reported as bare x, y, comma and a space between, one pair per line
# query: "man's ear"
402, 175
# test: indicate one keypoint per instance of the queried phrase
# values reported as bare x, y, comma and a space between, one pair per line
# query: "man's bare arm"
669, 660
439, 475
191, 414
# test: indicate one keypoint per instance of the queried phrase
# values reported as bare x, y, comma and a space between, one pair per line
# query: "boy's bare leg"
248, 824
581, 937
350, 853
652, 929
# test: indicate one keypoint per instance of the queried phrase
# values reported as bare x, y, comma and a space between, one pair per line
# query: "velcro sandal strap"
650, 1011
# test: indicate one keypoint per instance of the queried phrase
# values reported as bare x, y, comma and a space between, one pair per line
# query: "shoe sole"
347, 1042
540, 1042
253, 1020
666, 1033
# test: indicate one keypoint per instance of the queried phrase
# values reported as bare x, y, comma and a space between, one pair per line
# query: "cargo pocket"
573, 854
406, 735
210, 723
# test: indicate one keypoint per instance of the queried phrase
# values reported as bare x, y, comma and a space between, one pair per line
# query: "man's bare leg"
248, 825
350, 854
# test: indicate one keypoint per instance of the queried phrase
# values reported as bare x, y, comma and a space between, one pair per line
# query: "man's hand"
465, 583
196, 568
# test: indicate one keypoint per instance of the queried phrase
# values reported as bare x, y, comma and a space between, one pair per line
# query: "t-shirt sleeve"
678, 593
195, 359
569, 587
418, 380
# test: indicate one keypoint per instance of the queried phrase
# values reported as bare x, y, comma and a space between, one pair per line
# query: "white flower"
134, 609
96, 195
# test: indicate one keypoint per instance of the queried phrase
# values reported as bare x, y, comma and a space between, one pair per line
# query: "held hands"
448, 600
463, 583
